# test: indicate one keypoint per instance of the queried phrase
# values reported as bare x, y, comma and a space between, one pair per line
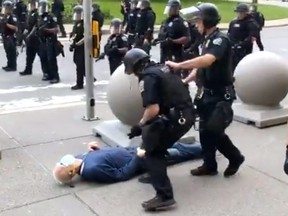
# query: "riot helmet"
43, 7
116, 26
142, 4
241, 8
172, 7
32, 5
207, 12
135, 61
77, 13
134, 4
7, 7
95, 7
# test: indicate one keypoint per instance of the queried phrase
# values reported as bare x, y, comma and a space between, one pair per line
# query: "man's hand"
135, 131
140, 152
173, 65
92, 146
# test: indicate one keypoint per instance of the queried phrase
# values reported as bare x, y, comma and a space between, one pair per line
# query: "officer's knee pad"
221, 117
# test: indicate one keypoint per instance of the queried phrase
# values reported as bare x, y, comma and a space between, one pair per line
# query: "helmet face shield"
32, 6
77, 16
191, 14
115, 29
43, 8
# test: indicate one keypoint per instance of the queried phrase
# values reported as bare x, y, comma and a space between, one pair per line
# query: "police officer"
174, 33
242, 32
78, 46
125, 9
20, 12
191, 49
130, 29
117, 45
215, 98
145, 26
98, 16
260, 20
58, 10
167, 117
9, 26
31, 39
47, 32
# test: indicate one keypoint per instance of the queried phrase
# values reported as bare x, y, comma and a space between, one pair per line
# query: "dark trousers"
237, 55
170, 54
79, 60
139, 43
60, 24
211, 141
259, 42
19, 34
157, 138
10, 49
32, 48
48, 58
114, 63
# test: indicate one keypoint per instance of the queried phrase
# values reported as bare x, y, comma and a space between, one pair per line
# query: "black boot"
234, 167
77, 87
54, 81
145, 179
157, 202
25, 72
286, 161
203, 171
45, 77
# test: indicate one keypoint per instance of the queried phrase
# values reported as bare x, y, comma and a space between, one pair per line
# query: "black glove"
135, 131
71, 48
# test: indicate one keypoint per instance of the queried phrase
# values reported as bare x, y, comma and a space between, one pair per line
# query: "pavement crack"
267, 174
34, 202
84, 203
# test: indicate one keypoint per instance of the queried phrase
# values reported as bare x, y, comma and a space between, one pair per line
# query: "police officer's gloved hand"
71, 48
168, 42
135, 131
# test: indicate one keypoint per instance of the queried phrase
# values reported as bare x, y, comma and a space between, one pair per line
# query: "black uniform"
191, 50
240, 33
131, 25
144, 28
173, 27
125, 9
32, 43
20, 12
58, 10
214, 102
260, 20
115, 42
9, 41
48, 47
160, 86
79, 52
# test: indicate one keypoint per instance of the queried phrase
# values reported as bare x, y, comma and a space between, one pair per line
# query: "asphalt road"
20, 93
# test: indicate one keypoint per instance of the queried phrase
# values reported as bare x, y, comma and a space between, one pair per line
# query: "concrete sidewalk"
34, 141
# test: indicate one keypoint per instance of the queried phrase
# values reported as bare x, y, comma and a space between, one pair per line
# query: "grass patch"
111, 9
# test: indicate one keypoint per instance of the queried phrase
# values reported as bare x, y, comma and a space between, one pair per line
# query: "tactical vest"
219, 74
174, 93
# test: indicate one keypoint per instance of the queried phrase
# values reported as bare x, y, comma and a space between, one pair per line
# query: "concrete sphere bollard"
261, 78
124, 97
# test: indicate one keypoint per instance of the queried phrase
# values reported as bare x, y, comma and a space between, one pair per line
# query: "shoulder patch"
124, 38
165, 69
14, 19
141, 86
54, 19
217, 41
186, 24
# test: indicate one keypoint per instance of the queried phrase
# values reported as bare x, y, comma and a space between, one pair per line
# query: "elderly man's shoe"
157, 203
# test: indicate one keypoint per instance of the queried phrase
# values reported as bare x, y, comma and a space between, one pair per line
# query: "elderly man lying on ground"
109, 165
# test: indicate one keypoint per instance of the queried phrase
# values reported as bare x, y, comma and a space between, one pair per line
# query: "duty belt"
226, 91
